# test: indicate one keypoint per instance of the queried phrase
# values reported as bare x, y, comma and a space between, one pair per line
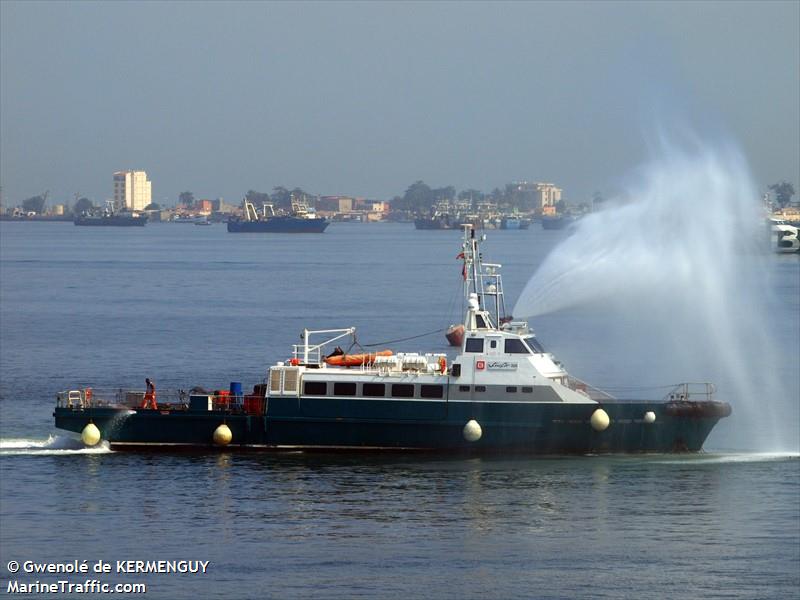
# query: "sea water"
189, 305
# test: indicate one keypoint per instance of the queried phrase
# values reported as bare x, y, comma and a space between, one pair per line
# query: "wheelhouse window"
315, 388
537, 347
474, 345
480, 322
403, 390
431, 391
375, 390
515, 346
342, 388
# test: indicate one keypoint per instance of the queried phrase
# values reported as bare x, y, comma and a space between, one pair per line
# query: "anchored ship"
301, 220
502, 392
514, 222
109, 216
437, 220
784, 236
556, 221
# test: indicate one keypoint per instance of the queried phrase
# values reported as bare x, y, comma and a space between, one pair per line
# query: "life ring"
443, 364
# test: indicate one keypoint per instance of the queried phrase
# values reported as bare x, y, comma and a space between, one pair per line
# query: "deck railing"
594, 393
312, 353
95, 397
682, 392
85, 398
691, 391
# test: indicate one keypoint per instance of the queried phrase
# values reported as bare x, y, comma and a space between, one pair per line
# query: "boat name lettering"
501, 365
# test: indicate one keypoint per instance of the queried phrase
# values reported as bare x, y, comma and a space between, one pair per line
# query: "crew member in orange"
149, 400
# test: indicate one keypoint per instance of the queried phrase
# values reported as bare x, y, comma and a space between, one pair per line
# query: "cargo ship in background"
437, 220
557, 221
514, 222
111, 217
784, 237
190, 220
502, 392
301, 220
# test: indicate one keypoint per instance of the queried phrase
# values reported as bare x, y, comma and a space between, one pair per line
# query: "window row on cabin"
372, 390
510, 346
511, 389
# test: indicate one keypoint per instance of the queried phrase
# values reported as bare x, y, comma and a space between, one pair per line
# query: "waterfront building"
132, 190
536, 196
341, 204
371, 206
789, 213
547, 195
220, 206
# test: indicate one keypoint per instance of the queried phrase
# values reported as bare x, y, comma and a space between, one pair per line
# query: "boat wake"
733, 457
54, 445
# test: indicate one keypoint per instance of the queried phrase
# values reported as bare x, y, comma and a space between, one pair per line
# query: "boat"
556, 221
109, 216
480, 221
502, 392
301, 220
514, 222
190, 220
784, 236
437, 220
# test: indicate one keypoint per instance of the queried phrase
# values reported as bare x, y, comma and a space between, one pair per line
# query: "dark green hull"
535, 428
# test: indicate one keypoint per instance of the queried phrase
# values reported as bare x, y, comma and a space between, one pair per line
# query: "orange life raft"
355, 360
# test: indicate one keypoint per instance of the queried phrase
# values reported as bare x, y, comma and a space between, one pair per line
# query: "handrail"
581, 386
81, 399
683, 392
312, 354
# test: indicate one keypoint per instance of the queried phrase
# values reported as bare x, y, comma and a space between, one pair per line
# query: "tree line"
418, 198
783, 192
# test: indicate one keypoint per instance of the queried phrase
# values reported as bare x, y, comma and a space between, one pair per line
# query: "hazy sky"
366, 98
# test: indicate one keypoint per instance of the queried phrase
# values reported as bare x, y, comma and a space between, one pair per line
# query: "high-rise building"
548, 194
131, 190
537, 196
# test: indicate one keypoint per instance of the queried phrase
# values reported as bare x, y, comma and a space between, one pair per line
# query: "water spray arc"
684, 253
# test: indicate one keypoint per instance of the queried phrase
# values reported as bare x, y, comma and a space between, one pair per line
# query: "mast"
482, 279
475, 266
